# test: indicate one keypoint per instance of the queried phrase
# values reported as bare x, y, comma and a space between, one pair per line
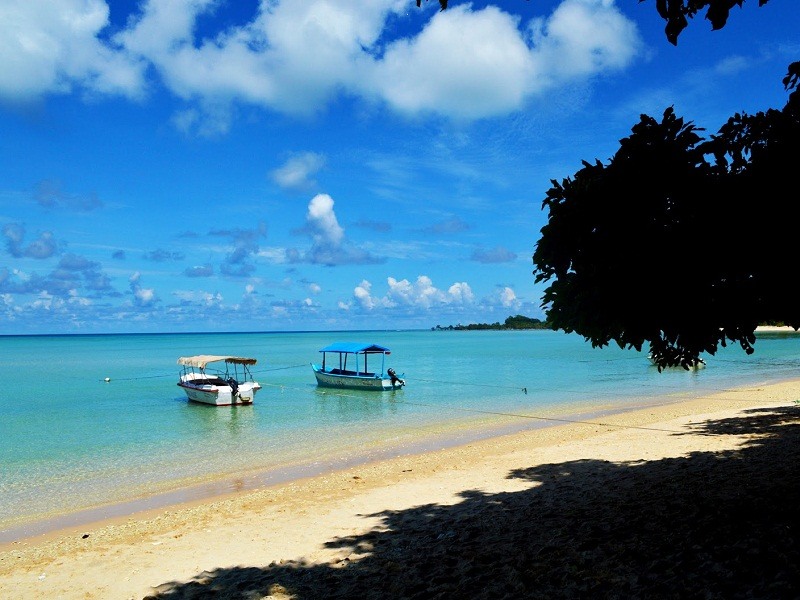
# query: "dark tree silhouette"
663, 247
678, 12
679, 241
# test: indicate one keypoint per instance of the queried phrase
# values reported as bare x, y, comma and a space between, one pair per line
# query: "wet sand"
692, 499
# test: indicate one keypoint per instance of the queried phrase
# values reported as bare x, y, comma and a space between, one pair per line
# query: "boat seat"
209, 381
348, 372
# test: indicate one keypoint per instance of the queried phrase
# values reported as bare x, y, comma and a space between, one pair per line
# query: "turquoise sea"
75, 448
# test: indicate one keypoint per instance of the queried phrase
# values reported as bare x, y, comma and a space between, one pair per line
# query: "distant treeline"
517, 322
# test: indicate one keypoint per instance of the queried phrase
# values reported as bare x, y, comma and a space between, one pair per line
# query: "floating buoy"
107, 379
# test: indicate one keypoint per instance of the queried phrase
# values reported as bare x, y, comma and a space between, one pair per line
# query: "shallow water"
70, 441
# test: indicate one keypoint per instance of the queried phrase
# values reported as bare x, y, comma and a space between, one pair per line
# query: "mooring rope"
283, 368
472, 383
108, 379
331, 392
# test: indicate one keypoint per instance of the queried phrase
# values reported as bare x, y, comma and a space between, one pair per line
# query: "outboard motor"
395, 379
234, 386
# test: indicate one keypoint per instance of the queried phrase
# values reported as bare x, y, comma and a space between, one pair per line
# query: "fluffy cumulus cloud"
508, 298
464, 63
322, 221
467, 63
412, 299
362, 294
421, 294
55, 47
583, 38
329, 245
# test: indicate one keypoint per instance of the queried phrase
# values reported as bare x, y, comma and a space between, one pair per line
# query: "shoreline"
309, 521
454, 435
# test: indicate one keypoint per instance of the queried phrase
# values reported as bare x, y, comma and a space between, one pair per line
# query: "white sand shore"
663, 502
775, 329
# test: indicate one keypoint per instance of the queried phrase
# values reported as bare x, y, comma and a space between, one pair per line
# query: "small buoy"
107, 379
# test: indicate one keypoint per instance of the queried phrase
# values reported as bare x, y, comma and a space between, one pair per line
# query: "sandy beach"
695, 499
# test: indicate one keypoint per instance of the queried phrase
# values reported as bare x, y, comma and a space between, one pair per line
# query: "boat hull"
219, 395
353, 382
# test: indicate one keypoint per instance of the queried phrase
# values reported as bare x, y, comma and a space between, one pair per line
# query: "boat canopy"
355, 348
203, 359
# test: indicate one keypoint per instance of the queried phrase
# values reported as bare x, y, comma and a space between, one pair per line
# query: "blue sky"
221, 165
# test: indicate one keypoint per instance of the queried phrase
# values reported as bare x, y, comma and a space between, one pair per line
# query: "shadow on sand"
710, 525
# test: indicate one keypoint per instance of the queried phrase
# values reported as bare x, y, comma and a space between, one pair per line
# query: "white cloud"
463, 64
264, 62
53, 46
419, 294
76, 299
320, 217
142, 296
362, 295
329, 245
583, 38
47, 302
298, 172
508, 298
461, 292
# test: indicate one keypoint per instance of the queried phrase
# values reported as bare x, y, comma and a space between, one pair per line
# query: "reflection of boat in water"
233, 385
356, 375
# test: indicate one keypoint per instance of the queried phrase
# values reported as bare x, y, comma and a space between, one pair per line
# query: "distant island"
523, 322
517, 322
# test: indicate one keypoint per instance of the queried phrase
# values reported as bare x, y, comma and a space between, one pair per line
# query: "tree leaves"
662, 247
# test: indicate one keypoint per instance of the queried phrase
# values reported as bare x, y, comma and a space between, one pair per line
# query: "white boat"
221, 387
335, 371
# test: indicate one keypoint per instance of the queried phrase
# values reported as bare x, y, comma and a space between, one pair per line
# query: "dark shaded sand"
697, 499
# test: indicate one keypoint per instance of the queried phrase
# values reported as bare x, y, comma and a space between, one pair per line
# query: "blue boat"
335, 371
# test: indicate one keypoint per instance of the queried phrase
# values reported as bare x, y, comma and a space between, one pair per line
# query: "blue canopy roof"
355, 348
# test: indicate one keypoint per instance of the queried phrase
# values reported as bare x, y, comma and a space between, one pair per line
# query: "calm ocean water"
74, 448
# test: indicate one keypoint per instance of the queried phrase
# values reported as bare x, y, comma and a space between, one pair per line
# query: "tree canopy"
682, 242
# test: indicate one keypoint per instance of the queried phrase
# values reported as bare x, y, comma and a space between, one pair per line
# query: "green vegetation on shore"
517, 322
